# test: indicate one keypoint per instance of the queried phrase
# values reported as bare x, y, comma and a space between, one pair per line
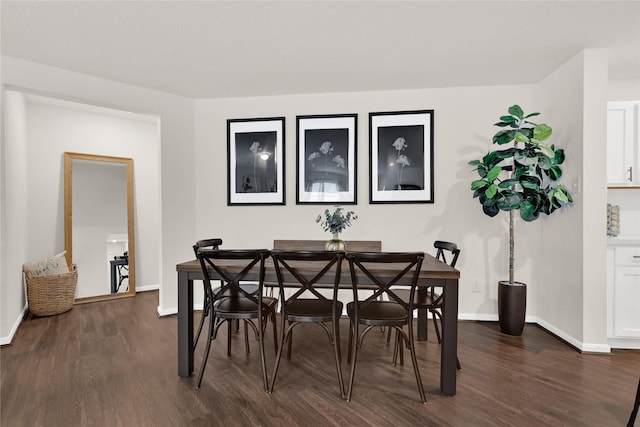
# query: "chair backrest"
368, 272
301, 283
207, 243
318, 245
244, 261
441, 247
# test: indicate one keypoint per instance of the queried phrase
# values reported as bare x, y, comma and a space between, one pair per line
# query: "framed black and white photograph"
255, 161
326, 159
401, 157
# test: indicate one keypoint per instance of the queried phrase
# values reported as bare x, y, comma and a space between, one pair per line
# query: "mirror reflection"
99, 225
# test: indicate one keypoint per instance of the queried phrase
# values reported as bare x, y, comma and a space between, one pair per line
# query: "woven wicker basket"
49, 295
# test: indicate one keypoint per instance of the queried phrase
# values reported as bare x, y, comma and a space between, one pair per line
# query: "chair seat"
247, 287
241, 307
421, 300
311, 310
381, 313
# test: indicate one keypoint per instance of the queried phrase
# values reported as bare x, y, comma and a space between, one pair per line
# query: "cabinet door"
626, 302
621, 142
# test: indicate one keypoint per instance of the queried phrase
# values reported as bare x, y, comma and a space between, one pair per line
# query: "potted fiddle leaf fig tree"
522, 176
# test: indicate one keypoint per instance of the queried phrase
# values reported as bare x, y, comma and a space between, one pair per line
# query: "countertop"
623, 241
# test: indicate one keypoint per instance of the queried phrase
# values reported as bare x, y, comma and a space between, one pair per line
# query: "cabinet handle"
630, 170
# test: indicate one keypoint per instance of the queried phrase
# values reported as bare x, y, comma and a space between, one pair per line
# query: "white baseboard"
595, 348
583, 347
148, 288
174, 310
7, 340
489, 317
478, 317
630, 344
167, 311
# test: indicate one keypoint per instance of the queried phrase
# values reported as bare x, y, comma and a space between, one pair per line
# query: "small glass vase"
335, 244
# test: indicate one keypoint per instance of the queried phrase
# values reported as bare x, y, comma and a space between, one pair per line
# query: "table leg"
185, 325
449, 348
422, 317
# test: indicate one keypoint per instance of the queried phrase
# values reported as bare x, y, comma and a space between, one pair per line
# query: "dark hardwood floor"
115, 364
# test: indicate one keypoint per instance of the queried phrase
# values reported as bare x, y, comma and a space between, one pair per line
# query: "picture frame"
326, 159
401, 157
256, 161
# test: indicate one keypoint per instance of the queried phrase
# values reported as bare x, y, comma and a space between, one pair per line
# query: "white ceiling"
210, 49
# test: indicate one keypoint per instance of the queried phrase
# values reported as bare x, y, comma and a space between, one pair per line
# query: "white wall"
193, 169
56, 126
14, 214
594, 253
463, 130
549, 252
176, 176
572, 292
624, 90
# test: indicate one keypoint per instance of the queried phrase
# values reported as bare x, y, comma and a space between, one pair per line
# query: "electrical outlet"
475, 286
576, 186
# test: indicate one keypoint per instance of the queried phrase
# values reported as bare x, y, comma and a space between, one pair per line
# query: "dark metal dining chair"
122, 269
306, 303
250, 287
382, 306
210, 244
426, 298
230, 302
636, 405
430, 300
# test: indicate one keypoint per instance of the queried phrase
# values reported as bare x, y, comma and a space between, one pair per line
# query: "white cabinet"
624, 282
623, 143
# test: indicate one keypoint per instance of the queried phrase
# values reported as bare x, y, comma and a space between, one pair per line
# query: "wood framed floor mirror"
99, 225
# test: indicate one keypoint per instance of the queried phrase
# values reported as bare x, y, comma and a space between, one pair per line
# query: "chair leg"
401, 348
205, 313
395, 349
398, 350
275, 330
435, 316
246, 338
336, 349
350, 341
283, 338
229, 338
414, 360
336, 338
206, 352
353, 347
289, 342
263, 361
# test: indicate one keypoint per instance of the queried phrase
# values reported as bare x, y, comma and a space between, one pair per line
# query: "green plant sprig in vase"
335, 222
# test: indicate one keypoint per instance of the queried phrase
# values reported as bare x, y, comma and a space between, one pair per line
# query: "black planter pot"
512, 306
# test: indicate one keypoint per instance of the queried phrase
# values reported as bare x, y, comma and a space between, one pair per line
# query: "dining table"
433, 273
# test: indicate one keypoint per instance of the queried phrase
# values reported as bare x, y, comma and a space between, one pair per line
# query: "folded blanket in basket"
50, 266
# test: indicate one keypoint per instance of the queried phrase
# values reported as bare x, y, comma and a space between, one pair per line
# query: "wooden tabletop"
432, 268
